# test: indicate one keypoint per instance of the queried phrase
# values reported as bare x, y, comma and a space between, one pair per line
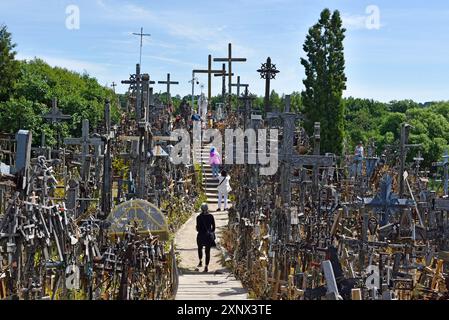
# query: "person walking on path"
224, 187
205, 226
214, 161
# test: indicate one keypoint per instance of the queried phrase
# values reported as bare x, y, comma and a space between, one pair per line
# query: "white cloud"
354, 22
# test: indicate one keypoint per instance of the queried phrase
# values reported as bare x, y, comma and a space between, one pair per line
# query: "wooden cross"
239, 85
113, 85
445, 165
85, 141
168, 83
137, 80
209, 72
268, 71
230, 60
223, 76
56, 115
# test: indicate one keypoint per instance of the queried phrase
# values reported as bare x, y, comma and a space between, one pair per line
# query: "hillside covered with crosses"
311, 195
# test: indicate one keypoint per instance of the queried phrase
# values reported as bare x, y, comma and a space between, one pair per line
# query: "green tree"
325, 80
9, 67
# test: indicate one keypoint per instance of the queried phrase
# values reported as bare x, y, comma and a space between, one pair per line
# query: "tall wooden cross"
230, 60
113, 85
209, 72
239, 85
168, 83
223, 76
268, 72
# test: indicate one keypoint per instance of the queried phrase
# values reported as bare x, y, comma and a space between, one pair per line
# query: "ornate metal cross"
268, 71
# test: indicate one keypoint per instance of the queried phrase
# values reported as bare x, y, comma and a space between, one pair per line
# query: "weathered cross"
56, 115
239, 85
85, 141
386, 202
268, 72
223, 76
230, 60
137, 81
445, 165
113, 85
209, 72
168, 83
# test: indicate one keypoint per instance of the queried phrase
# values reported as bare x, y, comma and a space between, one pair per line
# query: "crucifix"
230, 60
168, 83
113, 85
209, 72
141, 35
56, 116
223, 76
239, 85
268, 72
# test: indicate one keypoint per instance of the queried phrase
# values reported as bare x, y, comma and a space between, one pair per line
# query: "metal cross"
386, 202
168, 83
209, 72
224, 74
230, 60
239, 85
141, 34
268, 71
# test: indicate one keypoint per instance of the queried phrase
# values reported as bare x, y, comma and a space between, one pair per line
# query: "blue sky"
407, 57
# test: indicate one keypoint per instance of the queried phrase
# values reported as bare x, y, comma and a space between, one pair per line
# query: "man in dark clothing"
186, 112
205, 225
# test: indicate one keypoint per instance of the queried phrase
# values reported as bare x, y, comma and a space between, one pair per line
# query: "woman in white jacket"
224, 187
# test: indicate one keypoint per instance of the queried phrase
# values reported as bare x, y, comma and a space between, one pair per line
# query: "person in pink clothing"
214, 161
